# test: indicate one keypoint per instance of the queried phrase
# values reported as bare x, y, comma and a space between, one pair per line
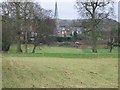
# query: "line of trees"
23, 14
16, 14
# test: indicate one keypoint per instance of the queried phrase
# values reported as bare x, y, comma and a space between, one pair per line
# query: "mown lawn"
63, 52
35, 72
56, 49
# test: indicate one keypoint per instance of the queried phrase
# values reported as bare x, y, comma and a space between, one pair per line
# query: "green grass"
63, 52
56, 49
58, 67
38, 72
64, 55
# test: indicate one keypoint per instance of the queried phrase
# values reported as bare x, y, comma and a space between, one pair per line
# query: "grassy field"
59, 72
63, 52
57, 67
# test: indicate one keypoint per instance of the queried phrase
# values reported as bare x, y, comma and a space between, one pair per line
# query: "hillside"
103, 25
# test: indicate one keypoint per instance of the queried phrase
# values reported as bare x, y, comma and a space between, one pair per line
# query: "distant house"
67, 32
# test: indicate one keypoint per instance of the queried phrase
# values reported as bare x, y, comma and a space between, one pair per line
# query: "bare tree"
20, 12
95, 11
26, 13
26, 16
17, 7
7, 25
43, 25
12, 10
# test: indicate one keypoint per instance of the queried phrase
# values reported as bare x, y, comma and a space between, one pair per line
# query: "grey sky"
66, 9
119, 12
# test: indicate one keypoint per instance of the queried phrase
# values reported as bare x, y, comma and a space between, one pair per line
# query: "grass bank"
34, 72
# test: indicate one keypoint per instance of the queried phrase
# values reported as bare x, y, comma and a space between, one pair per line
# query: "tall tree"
17, 6
26, 15
95, 11
43, 25
12, 10
20, 13
7, 25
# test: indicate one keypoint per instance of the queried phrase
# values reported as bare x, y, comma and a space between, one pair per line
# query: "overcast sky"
66, 9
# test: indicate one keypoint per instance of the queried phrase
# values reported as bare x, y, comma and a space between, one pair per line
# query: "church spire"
56, 19
56, 11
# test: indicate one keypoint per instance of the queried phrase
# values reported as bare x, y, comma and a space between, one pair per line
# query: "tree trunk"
18, 27
94, 42
94, 39
111, 47
26, 29
111, 44
26, 42
34, 48
19, 45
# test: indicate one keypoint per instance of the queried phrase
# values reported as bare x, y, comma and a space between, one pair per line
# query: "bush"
66, 44
5, 46
63, 39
